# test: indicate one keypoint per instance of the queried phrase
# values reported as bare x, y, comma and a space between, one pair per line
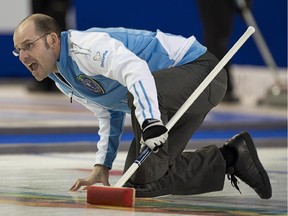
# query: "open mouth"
33, 66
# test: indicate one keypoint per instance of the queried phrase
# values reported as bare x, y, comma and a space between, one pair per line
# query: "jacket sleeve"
110, 58
111, 124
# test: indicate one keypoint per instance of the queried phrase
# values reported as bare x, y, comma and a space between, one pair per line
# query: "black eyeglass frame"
27, 46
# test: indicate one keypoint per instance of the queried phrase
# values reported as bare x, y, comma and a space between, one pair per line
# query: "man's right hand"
99, 174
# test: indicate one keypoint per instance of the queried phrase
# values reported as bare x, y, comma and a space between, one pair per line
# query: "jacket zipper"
63, 80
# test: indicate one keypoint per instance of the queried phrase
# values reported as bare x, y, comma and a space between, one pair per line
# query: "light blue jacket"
99, 66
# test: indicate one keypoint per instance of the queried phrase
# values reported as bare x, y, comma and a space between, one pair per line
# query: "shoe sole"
258, 164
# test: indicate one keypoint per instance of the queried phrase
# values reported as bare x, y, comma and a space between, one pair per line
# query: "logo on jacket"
101, 58
91, 84
97, 56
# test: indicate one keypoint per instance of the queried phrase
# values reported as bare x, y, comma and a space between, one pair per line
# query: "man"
116, 71
57, 9
217, 19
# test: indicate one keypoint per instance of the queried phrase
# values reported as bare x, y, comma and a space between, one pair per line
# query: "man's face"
34, 50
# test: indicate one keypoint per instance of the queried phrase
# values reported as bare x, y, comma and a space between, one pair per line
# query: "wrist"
101, 166
150, 122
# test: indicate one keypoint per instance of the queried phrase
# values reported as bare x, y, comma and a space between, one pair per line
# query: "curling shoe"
247, 166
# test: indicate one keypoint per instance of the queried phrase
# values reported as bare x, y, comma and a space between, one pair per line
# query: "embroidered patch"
91, 84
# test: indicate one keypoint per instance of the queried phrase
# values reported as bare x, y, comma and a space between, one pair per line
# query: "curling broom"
121, 196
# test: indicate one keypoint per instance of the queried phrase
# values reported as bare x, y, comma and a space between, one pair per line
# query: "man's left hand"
154, 134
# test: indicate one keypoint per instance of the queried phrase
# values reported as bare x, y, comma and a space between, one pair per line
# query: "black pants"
217, 19
190, 169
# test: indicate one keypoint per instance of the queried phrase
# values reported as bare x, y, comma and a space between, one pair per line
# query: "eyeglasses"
27, 46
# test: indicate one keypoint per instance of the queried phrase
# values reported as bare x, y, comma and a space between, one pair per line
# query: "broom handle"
188, 103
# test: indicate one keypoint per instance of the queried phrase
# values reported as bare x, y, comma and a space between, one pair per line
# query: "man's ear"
53, 39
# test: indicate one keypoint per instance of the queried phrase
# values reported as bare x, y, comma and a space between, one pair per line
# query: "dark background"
177, 17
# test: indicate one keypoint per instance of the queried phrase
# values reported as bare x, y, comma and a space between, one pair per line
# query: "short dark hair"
44, 24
